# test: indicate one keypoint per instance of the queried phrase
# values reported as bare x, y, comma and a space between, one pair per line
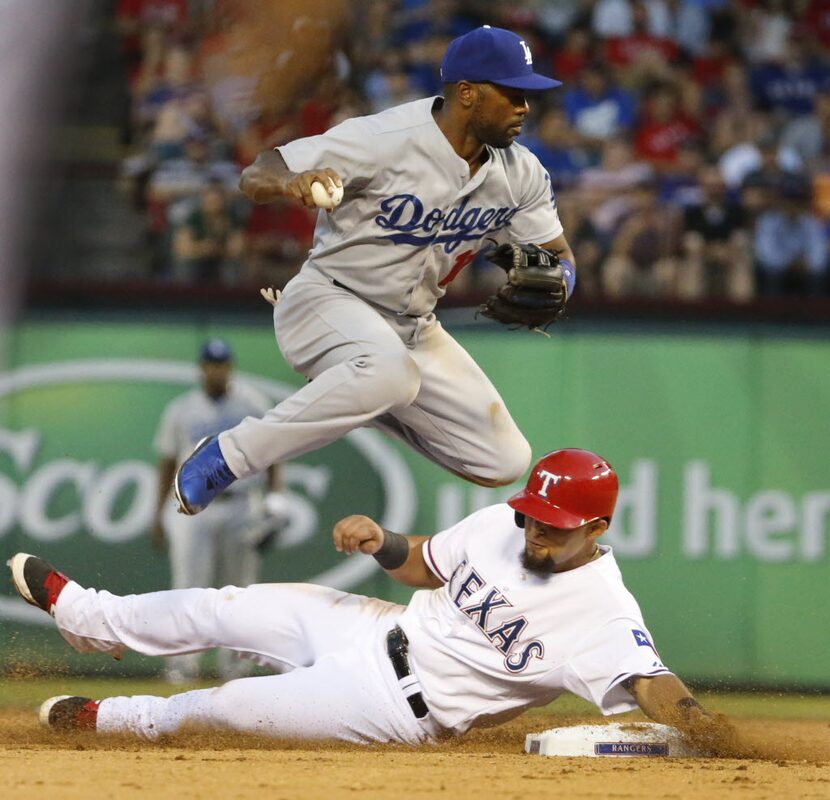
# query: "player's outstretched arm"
401, 556
269, 178
666, 699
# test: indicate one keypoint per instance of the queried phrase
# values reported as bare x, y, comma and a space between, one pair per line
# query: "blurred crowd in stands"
689, 146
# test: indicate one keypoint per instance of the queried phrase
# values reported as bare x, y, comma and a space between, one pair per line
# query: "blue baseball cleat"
202, 476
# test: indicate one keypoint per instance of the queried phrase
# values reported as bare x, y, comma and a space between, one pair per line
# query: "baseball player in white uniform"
517, 603
427, 185
220, 547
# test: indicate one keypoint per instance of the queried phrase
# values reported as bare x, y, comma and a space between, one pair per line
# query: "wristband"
568, 274
393, 552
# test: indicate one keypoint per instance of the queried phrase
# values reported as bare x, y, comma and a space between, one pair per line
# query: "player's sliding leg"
238, 565
215, 551
351, 695
360, 370
266, 621
459, 420
193, 553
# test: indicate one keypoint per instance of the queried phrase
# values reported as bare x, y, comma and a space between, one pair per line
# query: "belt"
396, 646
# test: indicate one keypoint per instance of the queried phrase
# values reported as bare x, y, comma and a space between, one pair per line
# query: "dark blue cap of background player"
216, 350
493, 55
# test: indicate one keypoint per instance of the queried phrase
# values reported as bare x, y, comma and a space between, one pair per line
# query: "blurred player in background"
224, 546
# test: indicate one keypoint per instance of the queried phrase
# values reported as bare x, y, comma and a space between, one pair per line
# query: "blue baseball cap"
216, 350
493, 55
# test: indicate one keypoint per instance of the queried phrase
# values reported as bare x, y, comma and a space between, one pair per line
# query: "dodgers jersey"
193, 415
412, 217
497, 639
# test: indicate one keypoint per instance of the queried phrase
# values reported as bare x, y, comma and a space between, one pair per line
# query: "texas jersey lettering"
504, 634
522, 634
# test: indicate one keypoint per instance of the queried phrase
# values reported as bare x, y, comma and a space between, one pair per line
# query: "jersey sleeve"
606, 658
537, 221
165, 442
444, 551
346, 148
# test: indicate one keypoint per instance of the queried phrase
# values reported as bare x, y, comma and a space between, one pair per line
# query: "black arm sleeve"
393, 552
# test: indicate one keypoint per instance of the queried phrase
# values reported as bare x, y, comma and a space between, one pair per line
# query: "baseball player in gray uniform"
220, 547
516, 604
427, 185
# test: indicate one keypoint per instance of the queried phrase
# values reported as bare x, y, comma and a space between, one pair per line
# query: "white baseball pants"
338, 681
215, 548
404, 375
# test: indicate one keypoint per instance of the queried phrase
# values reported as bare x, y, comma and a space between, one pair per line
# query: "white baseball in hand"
321, 196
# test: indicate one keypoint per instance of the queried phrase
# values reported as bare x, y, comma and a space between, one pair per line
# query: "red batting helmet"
568, 488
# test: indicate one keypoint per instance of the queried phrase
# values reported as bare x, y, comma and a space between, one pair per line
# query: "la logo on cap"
493, 55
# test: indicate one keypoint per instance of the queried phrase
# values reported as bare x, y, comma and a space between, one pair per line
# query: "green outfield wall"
721, 443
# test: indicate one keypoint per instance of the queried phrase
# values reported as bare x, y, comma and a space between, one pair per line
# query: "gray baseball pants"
404, 375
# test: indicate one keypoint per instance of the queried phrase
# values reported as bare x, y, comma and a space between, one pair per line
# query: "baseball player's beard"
500, 139
487, 133
538, 565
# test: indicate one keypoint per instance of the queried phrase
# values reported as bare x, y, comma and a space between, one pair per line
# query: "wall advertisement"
721, 530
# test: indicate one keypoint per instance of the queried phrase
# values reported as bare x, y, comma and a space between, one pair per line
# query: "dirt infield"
36, 763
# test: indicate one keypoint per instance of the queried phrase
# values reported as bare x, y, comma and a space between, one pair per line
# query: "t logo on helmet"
546, 478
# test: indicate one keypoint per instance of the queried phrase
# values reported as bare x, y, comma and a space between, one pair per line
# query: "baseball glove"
535, 294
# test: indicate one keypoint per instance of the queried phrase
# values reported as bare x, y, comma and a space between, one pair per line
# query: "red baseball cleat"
68, 713
37, 581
